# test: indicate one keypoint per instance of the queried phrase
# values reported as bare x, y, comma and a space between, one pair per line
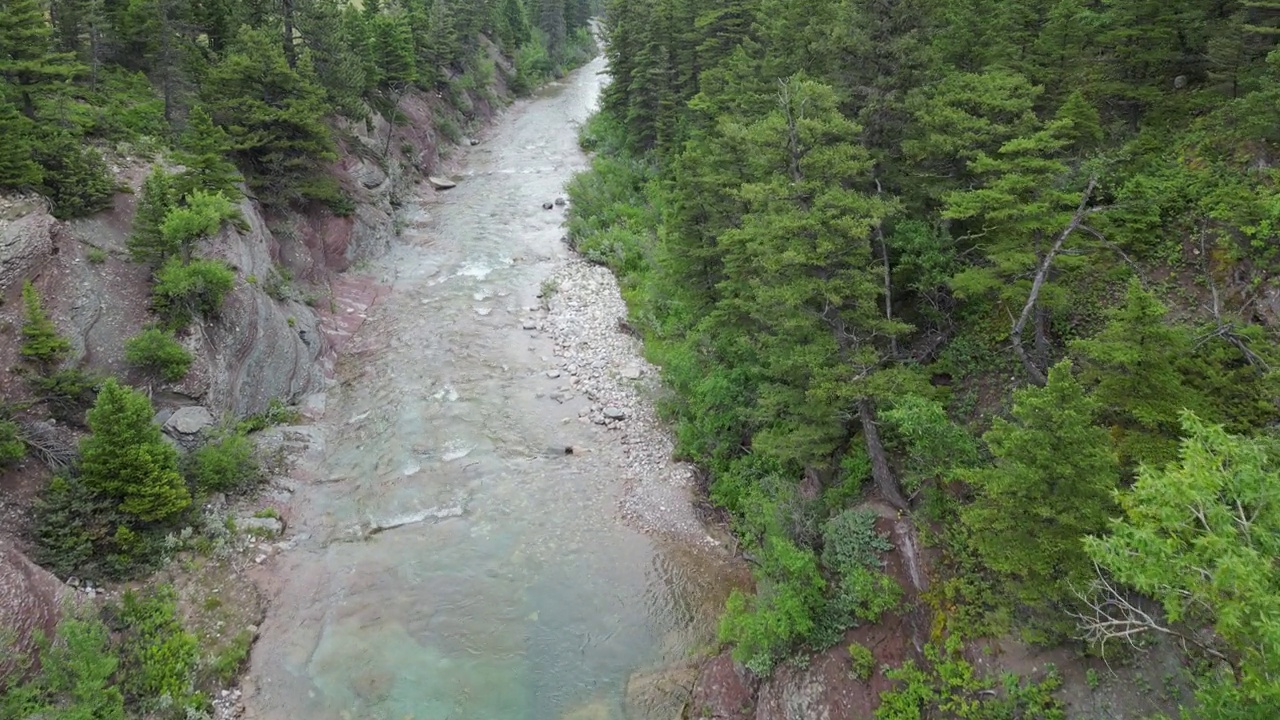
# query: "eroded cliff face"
276, 335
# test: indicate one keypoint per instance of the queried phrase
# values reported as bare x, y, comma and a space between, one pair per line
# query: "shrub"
766, 627
159, 656
74, 678
277, 413
157, 352
76, 179
96, 256
225, 464
861, 662
147, 243
201, 216
66, 392
850, 540
67, 517
226, 664
186, 290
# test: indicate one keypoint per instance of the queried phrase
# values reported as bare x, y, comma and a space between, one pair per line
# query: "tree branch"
1082, 211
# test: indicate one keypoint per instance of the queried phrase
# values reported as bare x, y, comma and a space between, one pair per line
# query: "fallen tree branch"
1082, 212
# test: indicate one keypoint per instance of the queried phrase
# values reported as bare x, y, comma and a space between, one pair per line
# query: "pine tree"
393, 49
514, 26
203, 151
1050, 486
17, 170
27, 60
337, 56
442, 48
125, 458
273, 114
147, 243
41, 342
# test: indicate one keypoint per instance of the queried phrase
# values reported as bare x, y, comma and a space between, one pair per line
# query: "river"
444, 564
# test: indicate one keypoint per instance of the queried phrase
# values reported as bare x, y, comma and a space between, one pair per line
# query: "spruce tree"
338, 57
1050, 487
126, 460
27, 59
393, 49
203, 151
274, 115
41, 342
17, 170
147, 243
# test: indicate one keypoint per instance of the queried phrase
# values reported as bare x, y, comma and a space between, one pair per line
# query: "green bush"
226, 664
76, 179
68, 517
227, 463
67, 393
850, 540
74, 680
200, 216
12, 449
277, 413
861, 662
96, 256
159, 657
158, 353
183, 291
766, 627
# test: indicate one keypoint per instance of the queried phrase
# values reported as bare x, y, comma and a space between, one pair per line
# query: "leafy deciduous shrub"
225, 464
158, 353
159, 656
186, 290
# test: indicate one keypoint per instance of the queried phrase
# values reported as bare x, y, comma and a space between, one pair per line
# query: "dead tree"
1042, 273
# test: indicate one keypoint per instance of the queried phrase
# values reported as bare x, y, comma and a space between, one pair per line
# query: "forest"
1005, 267
225, 102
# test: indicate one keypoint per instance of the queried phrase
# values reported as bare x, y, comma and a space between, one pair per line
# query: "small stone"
553, 374
547, 206
529, 325
559, 202
440, 183
631, 372
615, 413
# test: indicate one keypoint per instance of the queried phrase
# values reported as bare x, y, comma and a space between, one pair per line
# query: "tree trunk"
290, 52
880, 471
1015, 335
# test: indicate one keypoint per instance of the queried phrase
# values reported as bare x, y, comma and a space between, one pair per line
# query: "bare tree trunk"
290, 52
1015, 335
880, 471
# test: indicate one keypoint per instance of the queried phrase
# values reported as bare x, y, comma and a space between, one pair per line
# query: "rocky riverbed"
486, 522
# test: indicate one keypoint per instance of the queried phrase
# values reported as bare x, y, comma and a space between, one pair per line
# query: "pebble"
607, 367
553, 374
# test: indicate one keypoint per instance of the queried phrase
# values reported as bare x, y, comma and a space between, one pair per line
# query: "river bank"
446, 557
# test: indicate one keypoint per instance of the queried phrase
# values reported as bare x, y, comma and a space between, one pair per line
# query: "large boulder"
189, 421
29, 603
660, 694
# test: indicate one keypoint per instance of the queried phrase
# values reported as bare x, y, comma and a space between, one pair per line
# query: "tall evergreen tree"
17, 170
27, 58
147, 243
41, 342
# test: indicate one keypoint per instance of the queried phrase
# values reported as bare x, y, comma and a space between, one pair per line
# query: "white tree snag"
1082, 211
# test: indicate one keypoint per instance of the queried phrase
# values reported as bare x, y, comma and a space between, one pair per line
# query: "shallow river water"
446, 565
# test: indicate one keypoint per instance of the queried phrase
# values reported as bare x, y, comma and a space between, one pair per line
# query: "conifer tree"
273, 114
41, 342
126, 460
393, 49
1051, 486
203, 151
17, 170
147, 243
441, 48
27, 59
338, 56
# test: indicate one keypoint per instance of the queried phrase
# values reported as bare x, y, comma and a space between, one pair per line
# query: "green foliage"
17, 169
147, 243
1200, 536
184, 291
12, 449
277, 413
158, 353
66, 392
76, 179
226, 665
765, 627
64, 540
126, 460
272, 113
1050, 486
203, 152
41, 342
226, 463
850, 540
861, 662
951, 687
200, 216
75, 678
158, 656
